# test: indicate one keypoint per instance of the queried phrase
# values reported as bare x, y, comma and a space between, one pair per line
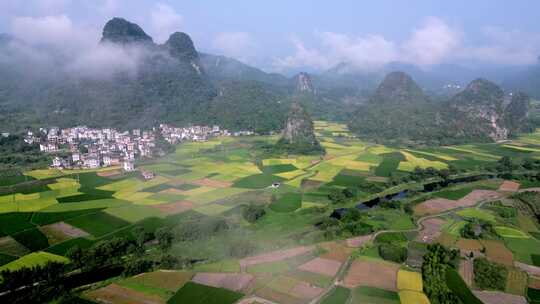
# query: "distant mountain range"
145, 83
400, 112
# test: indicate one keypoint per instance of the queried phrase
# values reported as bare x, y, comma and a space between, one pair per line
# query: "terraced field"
213, 180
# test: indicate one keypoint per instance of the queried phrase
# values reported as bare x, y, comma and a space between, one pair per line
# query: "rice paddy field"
216, 178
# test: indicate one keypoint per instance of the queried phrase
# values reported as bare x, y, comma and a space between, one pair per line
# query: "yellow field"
438, 155
278, 161
467, 149
521, 148
291, 174
380, 150
326, 172
412, 297
408, 280
413, 162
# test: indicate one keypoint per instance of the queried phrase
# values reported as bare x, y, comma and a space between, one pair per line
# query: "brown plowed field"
322, 266
174, 208
509, 186
439, 205
117, 294
372, 274
211, 183
358, 241
275, 256
306, 291
466, 271
431, 230
232, 281
495, 297
497, 252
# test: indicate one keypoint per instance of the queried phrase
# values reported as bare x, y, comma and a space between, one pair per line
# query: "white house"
129, 166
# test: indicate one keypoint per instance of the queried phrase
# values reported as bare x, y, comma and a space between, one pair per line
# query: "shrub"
393, 253
488, 275
253, 212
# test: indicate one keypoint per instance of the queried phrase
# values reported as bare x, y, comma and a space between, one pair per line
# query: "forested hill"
400, 113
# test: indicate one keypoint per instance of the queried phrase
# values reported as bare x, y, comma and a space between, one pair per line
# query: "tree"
505, 164
253, 212
137, 266
75, 254
164, 237
336, 196
488, 275
394, 253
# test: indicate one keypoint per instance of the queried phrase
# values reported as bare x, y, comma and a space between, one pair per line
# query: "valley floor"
288, 258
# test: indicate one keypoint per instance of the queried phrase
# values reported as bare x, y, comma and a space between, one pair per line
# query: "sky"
283, 35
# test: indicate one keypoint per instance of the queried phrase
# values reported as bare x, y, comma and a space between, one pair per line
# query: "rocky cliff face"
398, 88
516, 114
121, 31
478, 110
181, 47
304, 85
299, 127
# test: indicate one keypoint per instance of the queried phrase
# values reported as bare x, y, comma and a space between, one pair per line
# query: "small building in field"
147, 175
129, 166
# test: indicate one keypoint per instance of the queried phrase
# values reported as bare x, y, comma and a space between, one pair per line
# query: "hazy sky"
294, 34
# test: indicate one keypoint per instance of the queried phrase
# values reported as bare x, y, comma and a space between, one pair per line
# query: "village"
83, 147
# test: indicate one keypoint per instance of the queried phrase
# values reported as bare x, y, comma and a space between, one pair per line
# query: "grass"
194, 293
6, 258
523, 249
408, 280
477, 214
288, 202
391, 237
63, 248
98, 224
453, 194
366, 294
338, 295
516, 282
389, 163
507, 232
45, 218
272, 267
149, 290
460, 288
411, 162
281, 168
11, 223
168, 280
257, 181
533, 295
312, 278
133, 213
413, 297
33, 259
32, 239
221, 266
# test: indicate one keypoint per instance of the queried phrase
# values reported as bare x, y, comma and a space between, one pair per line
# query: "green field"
98, 224
194, 293
362, 295
212, 181
338, 295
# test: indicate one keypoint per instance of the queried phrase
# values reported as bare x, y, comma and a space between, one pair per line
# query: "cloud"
240, 45
164, 21
106, 60
58, 31
509, 47
431, 44
303, 57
